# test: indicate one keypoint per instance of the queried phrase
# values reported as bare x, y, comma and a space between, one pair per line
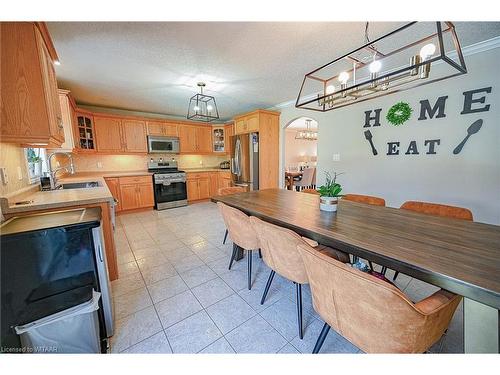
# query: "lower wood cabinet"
131, 192
204, 185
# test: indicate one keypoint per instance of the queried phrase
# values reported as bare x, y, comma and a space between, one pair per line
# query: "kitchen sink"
80, 185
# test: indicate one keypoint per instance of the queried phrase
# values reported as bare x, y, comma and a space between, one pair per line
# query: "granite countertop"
96, 174
43, 200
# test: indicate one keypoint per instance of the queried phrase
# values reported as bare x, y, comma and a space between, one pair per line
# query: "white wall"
470, 179
296, 149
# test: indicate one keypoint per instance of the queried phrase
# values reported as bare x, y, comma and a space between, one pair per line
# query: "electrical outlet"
5, 177
336, 157
99, 164
19, 173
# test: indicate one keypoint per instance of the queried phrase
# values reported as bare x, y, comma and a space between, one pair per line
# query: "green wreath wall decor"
399, 113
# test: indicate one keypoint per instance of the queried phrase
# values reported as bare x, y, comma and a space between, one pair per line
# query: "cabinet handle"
60, 123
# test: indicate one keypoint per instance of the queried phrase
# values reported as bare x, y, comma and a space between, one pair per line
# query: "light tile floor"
176, 295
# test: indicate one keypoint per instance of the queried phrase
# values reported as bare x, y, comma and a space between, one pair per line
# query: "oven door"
170, 193
164, 145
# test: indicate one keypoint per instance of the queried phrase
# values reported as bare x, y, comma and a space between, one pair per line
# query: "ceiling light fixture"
308, 134
202, 107
385, 66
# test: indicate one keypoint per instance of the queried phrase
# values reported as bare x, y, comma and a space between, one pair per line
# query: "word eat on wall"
474, 102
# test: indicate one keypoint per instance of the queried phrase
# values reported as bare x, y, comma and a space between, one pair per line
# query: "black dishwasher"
48, 263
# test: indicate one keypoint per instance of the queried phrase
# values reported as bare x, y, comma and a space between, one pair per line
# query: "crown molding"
472, 49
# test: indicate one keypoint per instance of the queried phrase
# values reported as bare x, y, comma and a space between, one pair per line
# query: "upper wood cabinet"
31, 112
162, 128
228, 133
247, 123
115, 135
84, 133
108, 134
68, 115
134, 136
195, 139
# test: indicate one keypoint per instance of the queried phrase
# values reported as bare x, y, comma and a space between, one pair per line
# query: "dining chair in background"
242, 234
227, 191
307, 179
436, 209
373, 314
280, 253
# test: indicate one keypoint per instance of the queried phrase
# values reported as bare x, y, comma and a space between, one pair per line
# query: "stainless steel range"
169, 184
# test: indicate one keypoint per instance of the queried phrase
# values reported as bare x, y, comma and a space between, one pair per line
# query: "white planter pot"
328, 204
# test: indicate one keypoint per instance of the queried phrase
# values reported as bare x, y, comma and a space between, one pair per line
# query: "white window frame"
34, 173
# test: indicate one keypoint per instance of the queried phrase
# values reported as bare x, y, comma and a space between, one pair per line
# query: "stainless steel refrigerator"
245, 160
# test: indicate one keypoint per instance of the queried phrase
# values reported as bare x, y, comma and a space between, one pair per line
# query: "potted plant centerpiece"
330, 193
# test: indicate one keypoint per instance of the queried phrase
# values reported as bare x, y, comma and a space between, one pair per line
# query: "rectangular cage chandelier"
202, 107
384, 66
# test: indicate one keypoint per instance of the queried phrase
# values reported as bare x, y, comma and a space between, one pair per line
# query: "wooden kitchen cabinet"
214, 183
162, 128
134, 136
224, 179
120, 135
228, 133
247, 123
31, 112
198, 186
108, 134
195, 139
136, 192
67, 114
114, 187
187, 139
84, 132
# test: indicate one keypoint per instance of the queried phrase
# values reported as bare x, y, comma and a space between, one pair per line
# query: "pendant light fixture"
385, 66
202, 107
308, 134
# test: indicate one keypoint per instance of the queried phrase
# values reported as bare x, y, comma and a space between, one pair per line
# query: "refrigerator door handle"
237, 157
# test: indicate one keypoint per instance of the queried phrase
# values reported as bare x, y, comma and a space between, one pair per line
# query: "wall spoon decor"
473, 129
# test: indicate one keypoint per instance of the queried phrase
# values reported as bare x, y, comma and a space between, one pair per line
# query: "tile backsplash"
95, 163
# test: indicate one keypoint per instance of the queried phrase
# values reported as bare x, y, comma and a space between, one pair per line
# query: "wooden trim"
42, 27
257, 111
142, 209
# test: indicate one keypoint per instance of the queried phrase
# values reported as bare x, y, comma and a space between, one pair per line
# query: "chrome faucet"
52, 172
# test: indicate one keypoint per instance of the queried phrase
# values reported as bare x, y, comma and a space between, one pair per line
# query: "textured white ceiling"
154, 67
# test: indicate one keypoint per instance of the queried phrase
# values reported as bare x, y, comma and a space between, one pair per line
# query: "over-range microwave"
163, 145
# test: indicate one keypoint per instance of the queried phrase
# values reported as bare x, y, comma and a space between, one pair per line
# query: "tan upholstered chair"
436, 209
242, 234
228, 191
368, 199
307, 179
373, 314
280, 253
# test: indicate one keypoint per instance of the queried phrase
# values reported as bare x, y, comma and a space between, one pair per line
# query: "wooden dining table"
457, 255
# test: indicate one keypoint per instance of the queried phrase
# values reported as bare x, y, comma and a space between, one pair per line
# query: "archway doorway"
300, 152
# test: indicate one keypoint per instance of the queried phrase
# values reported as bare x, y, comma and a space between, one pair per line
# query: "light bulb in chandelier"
375, 66
209, 108
330, 89
196, 108
427, 51
343, 77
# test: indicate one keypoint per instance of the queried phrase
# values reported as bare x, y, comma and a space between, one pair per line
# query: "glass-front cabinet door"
85, 132
218, 136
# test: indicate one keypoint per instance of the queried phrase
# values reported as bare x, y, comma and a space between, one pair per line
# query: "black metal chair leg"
354, 259
260, 254
249, 255
268, 285
371, 265
235, 250
321, 338
395, 275
384, 270
225, 237
298, 289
